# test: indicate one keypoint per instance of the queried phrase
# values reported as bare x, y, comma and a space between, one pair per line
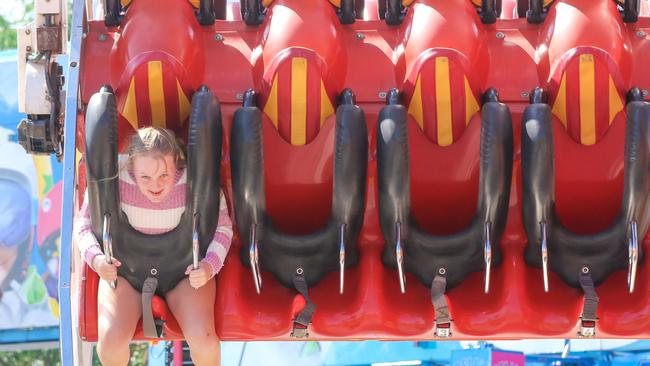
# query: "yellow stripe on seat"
156, 94
267, 3
587, 100
326, 108
559, 106
298, 101
130, 111
471, 105
184, 105
415, 107
443, 102
615, 102
271, 106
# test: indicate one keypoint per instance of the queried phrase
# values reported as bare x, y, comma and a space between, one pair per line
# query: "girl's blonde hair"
157, 141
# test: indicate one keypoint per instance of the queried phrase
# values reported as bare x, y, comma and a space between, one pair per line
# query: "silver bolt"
640, 34
73, 64
218, 37
239, 96
442, 271
102, 37
644, 92
28, 48
585, 269
525, 94
501, 35
382, 95
359, 36
28, 31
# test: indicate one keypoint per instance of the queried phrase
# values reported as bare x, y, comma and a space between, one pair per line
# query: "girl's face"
154, 175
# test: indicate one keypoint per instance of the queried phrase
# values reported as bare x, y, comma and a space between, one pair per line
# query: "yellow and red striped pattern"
442, 102
297, 103
155, 97
267, 3
587, 100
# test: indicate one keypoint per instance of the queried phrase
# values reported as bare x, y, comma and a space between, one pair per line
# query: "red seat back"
297, 99
441, 99
587, 95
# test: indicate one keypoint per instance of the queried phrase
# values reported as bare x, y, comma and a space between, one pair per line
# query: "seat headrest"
440, 97
154, 93
267, 3
587, 94
295, 96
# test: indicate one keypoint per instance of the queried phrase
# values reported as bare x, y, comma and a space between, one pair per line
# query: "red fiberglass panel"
444, 180
298, 179
370, 57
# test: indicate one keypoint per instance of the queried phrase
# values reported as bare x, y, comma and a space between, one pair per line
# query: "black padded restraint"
568, 252
165, 256
460, 253
317, 252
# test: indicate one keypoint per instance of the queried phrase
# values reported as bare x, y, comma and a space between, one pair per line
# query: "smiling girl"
152, 185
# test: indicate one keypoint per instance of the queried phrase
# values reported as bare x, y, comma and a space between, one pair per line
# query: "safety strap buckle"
443, 330
587, 328
299, 331
160, 327
443, 320
302, 320
152, 328
588, 317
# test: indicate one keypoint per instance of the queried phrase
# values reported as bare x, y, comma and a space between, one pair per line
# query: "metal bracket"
487, 256
542, 227
443, 330
342, 258
399, 257
108, 244
587, 329
633, 256
253, 256
195, 241
299, 331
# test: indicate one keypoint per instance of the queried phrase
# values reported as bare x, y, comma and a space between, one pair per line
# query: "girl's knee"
205, 341
113, 350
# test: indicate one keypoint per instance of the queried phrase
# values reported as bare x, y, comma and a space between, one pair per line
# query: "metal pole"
69, 162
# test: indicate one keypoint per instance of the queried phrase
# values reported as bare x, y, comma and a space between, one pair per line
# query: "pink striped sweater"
154, 218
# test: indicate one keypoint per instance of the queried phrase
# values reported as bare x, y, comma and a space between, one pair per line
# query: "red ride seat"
433, 153
152, 92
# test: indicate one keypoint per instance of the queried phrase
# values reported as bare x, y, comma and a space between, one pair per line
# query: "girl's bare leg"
194, 310
118, 312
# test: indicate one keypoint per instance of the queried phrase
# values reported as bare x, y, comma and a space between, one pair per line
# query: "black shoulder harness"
164, 256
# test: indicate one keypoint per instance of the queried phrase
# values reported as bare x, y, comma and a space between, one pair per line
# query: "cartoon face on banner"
30, 202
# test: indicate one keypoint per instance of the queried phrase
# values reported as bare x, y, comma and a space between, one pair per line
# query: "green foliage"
8, 28
47, 357
139, 352
51, 357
